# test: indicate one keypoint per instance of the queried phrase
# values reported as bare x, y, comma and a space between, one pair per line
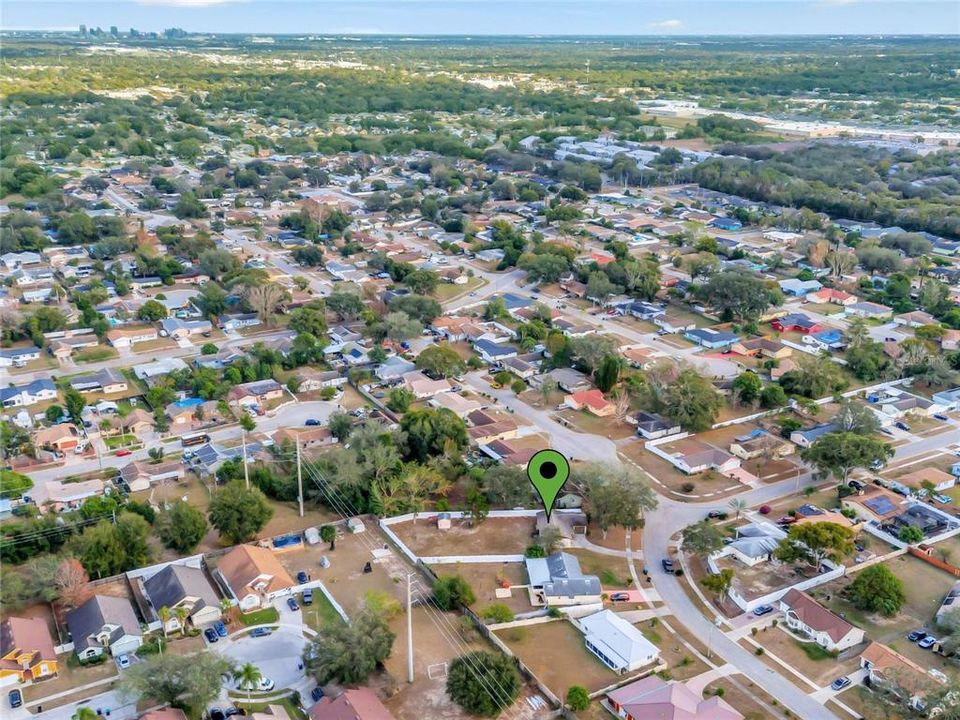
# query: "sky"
495, 17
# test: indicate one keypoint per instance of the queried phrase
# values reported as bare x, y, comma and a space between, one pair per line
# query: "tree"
156, 455
720, 583
408, 490
773, 396
692, 401
340, 425
53, 413
422, 282
702, 538
348, 654
399, 326
328, 533
346, 304
856, 417
432, 433
738, 295
608, 373
309, 319
452, 591
84, 713
616, 496
422, 308
578, 698
248, 677
599, 287
877, 589
738, 505
747, 388
815, 377
72, 583
815, 542
75, 403
108, 549
247, 422
506, 485
440, 361
151, 311
837, 453
949, 624
483, 683
910, 535
189, 681
182, 527
239, 514
399, 399
264, 299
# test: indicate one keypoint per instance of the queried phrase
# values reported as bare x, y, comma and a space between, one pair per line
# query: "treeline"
846, 181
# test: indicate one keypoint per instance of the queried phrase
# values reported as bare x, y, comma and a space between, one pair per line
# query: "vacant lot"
494, 536
612, 571
539, 646
485, 578
822, 671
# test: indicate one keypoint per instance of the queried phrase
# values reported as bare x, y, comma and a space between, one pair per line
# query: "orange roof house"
26, 650
353, 704
592, 401
254, 575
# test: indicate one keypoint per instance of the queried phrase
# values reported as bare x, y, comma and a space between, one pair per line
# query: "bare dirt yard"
494, 536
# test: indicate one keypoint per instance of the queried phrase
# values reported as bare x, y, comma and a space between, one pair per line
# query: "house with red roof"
592, 401
652, 697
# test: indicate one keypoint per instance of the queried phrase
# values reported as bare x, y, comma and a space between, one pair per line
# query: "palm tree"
248, 676
164, 615
182, 614
738, 506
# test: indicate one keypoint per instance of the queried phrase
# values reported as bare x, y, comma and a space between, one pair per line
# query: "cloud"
187, 3
666, 25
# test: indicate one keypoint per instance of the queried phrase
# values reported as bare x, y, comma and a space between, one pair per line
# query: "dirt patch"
494, 536
485, 578
820, 672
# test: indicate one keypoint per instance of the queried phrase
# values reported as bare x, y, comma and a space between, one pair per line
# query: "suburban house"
104, 623
180, 414
949, 603
868, 310
309, 438
618, 644
26, 650
60, 437
30, 394
18, 356
558, 580
107, 381
805, 615
258, 392
567, 379
238, 321
592, 401
764, 347
451, 327
672, 324
874, 503
915, 319
948, 399
182, 329
651, 426
312, 380
57, 495
830, 339
799, 288
917, 479
652, 697
754, 543
253, 575
456, 403
806, 438
492, 352
697, 456
128, 337
796, 322
140, 475
352, 704
832, 296
181, 586
761, 444
710, 338
889, 670
423, 387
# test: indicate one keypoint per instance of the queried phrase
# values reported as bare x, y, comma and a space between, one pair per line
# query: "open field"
494, 536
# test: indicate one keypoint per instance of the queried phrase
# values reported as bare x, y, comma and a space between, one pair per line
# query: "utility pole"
246, 470
299, 478
409, 630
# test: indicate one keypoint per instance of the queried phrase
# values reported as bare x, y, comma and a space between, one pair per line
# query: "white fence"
748, 605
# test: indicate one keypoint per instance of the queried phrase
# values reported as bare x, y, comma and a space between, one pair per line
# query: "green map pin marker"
548, 470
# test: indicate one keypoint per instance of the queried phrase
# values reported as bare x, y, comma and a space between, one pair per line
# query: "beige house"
254, 576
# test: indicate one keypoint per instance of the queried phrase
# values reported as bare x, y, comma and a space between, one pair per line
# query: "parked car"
292, 604
123, 661
928, 642
763, 610
220, 629
211, 635
316, 694
217, 714
260, 632
941, 418
667, 565
716, 515
916, 635
308, 597
15, 697
619, 597
942, 499
855, 484
231, 711
123, 453
311, 422
266, 684
302, 577
840, 683
902, 426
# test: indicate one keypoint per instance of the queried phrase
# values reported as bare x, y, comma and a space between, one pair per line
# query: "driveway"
277, 655
119, 708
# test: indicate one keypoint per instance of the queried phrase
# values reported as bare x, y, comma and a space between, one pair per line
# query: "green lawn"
120, 441
321, 614
96, 354
260, 617
293, 709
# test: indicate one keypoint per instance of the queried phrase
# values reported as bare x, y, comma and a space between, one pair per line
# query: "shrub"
497, 613
578, 698
452, 591
688, 487
535, 551
758, 651
719, 692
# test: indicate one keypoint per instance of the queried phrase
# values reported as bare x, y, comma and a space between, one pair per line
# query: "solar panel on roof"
880, 505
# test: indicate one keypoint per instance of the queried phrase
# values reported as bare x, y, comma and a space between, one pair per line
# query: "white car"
123, 661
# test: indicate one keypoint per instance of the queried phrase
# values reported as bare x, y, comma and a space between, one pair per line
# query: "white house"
618, 644
806, 616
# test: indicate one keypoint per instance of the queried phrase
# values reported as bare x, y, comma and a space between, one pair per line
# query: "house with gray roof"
558, 580
28, 394
181, 586
104, 623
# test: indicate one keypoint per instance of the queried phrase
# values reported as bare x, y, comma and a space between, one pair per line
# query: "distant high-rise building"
83, 29
114, 31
